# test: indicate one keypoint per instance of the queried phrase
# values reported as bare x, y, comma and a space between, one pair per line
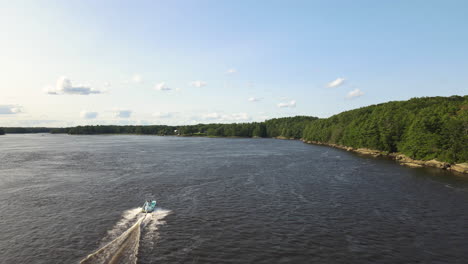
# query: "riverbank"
400, 158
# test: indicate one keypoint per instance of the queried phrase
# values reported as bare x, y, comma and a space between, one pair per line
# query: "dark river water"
221, 201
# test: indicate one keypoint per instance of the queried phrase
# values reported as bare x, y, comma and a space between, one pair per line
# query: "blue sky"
69, 63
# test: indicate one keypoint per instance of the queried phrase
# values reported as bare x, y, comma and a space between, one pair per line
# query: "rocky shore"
401, 158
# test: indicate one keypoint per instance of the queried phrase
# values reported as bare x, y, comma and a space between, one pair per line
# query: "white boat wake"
125, 237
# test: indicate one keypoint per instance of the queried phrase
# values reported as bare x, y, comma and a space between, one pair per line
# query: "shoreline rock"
399, 157
461, 167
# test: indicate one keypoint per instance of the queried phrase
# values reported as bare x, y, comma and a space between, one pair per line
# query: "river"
222, 201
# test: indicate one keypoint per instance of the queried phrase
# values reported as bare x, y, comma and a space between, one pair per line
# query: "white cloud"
254, 99
122, 113
162, 115
240, 117
137, 78
231, 71
355, 93
10, 109
88, 115
65, 86
226, 117
212, 116
162, 87
336, 83
197, 84
291, 104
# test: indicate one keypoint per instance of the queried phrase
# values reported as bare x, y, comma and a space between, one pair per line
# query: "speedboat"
149, 206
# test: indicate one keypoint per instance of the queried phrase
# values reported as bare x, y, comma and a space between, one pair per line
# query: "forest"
421, 128
25, 130
290, 127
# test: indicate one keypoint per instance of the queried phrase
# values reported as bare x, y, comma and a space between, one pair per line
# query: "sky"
86, 62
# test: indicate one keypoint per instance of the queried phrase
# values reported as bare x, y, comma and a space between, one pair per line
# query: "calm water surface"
224, 201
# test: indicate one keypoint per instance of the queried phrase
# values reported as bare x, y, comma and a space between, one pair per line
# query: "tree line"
421, 128
24, 130
289, 127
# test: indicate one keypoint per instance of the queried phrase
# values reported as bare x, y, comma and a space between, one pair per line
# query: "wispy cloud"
163, 115
240, 117
162, 87
198, 84
10, 109
290, 104
355, 93
137, 78
65, 86
122, 113
211, 116
226, 117
336, 83
231, 71
88, 115
254, 99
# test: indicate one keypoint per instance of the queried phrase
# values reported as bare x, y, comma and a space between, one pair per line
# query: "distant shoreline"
398, 157
420, 132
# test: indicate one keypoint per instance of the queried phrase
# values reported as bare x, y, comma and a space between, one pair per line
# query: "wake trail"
125, 235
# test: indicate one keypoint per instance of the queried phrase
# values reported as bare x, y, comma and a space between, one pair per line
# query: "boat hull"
149, 207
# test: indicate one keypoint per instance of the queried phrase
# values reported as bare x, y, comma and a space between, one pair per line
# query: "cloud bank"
65, 86
9, 109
